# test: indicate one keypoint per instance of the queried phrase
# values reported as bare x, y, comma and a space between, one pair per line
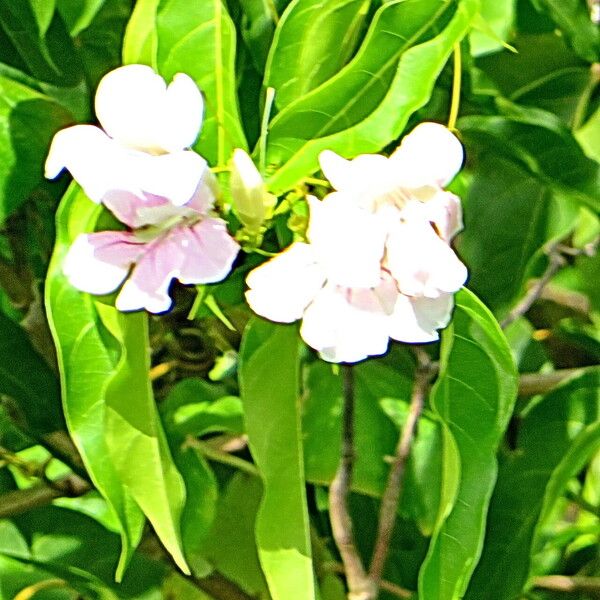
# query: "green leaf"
269, 380
473, 398
28, 380
367, 104
498, 17
541, 144
41, 40
312, 43
88, 358
204, 29
134, 434
257, 28
139, 43
573, 17
28, 121
555, 439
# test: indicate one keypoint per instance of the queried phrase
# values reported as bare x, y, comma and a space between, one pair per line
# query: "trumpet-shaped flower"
166, 242
378, 263
141, 149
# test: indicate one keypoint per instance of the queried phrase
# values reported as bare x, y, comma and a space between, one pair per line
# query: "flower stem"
456, 84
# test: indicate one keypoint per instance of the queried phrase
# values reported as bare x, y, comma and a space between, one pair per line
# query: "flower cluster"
378, 262
139, 166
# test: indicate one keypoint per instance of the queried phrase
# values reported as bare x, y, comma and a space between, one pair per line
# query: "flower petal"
208, 251
445, 212
348, 240
421, 262
416, 320
135, 108
346, 325
281, 288
97, 263
429, 155
90, 156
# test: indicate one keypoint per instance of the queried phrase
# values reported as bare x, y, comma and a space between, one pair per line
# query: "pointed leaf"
87, 357
473, 397
269, 380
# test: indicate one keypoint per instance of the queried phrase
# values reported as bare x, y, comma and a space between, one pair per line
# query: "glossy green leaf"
88, 358
573, 17
139, 43
366, 106
312, 43
134, 434
555, 438
269, 382
473, 398
199, 39
28, 120
493, 27
541, 144
257, 28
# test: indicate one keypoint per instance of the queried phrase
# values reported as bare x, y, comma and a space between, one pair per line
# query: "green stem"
222, 457
456, 85
584, 100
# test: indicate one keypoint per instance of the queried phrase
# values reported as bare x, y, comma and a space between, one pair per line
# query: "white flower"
141, 149
378, 264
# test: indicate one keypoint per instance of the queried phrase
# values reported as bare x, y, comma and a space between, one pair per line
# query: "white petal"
345, 325
445, 212
416, 320
430, 155
97, 263
281, 288
90, 156
421, 262
348, 240
135, 108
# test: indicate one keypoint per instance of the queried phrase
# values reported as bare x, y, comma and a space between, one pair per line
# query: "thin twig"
564, 583
394, 486
20, 501
217, 455
359, 584
531, 384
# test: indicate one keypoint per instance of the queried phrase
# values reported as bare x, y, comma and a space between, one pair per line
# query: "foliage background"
219, 456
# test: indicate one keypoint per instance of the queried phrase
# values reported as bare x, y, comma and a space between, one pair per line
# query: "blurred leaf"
367, 104
41, 40
28, 120
269, 380
510, 216
542, 145
204, 29
554, 438
498, 17
88, 357
473, 398
134, 435
231, 546
589, 136
139, 43
28, 380
312, 43
78, 14
573, 17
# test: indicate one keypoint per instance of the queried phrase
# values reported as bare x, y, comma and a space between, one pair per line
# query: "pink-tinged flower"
166, 242
378, 264
141, 149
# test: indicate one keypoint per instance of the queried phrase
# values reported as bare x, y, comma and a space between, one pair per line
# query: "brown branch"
569, 584
531, 384
19, 501
556, 252
394, 487
360, 586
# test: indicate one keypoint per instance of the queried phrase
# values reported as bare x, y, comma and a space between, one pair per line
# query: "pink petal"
445, 212
97, 263
416, 320
208, 251
348, 240
346, 325
282, 288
